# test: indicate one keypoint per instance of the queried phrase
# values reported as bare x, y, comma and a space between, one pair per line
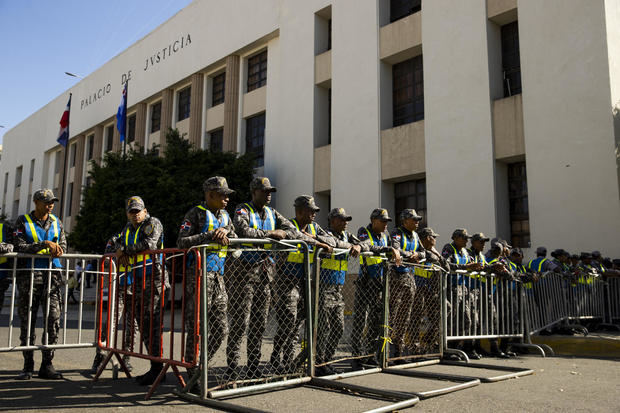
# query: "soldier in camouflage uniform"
331, 302
289, 283
6, 264
208, 223
402, 283
368, 301
499, 266
249, 277
142, 233
40, 232
458, 258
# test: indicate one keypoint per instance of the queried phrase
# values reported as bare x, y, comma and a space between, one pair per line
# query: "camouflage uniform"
248, 281
6, 264
25, 243
432, 302
197, 229
368, 301
458, 294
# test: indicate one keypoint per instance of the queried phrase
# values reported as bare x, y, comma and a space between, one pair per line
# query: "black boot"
48, 372
28, 370
150, 376
496, 352
127, 363
96, 363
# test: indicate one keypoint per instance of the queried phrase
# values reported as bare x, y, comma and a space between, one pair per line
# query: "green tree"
170, 186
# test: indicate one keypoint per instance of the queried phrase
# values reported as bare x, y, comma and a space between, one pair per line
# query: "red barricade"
140, 304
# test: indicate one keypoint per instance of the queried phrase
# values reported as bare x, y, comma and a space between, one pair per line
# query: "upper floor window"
91, 147
257, 71
155, 117
183, 106
511, 59
403, 8
408, 91
411, 194
109, 138
255, 137
217, 140
219, 83
131, 128
519, 210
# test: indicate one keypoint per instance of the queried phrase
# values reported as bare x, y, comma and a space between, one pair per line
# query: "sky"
40, 40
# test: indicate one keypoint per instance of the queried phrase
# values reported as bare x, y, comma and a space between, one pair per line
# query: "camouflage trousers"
39, 299
367, 315
144, 307
217, 302
427, 305
123, 319
289, 312
4, 285
402, 292
331, 321
249, 291
462, 314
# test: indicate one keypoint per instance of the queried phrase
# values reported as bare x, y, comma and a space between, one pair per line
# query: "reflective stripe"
210, 226
255, 218
34, 234
529, 265
421, 272
297, 256
337, 262
139, 257
373, 260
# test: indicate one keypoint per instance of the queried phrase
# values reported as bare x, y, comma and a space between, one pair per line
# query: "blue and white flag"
121, 115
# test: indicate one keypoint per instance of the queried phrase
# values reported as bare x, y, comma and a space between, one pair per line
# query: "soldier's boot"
274, 361
28, 370
191, 372
47, 370
253, 369
127, 363
398, 353
504, 346
232, 373
495, 351
150, 376
96, 363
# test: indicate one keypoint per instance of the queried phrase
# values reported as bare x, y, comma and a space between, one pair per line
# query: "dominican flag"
63, 134
121, 115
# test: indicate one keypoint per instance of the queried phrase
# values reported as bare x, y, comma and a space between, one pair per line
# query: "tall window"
255, 138
329, 34
257, 71
72, 151
18, 176
91, 147
183, 105
329, 116
511, 60
31, 178
408, 91
131, 128
411, 194
403, 8
155, 117
109, 138
58, 162
69, 199
217, 140
519, 210
219, 83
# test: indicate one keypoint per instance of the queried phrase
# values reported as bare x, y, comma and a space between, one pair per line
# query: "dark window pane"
255, 138
257, 71
408, 91
519, 211
411, 194
155, 117
183, 106
109, 139
511, 60
217, 140
91, 146
219, 82
403, 8
131, 129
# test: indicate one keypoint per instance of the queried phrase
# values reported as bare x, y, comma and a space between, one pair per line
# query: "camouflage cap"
556, 253
428, 232
306, 201
218, 184
596, 254
497, 246
479, 236
380, 213
541, 250
262, 183
339, 213
45, 195
516, 251
460, 233
410, 213
134, 203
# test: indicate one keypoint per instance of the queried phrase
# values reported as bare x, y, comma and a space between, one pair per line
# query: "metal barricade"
36, 281
136, 309
613, 301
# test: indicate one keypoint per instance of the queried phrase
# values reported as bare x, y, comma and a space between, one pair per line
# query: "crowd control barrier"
37, 282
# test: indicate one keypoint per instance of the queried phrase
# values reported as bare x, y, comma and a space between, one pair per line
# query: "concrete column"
98, 144
167, 100
195, 118
140, 125
77, 179
231, 103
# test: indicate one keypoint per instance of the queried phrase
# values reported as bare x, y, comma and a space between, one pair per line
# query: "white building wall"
457, 118
568, 125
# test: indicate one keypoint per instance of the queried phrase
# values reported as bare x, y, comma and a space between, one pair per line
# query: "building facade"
500, 116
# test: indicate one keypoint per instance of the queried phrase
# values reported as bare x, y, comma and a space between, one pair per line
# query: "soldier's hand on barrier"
355, 251
276, 234
309, 234
397, 258
55, 250
326, 247
474, 266
220, 235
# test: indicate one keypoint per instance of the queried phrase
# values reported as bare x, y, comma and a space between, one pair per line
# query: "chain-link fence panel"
414, 312
259, 302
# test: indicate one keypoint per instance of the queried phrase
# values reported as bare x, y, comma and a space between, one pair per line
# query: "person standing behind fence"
40, 232
402, 283
289, 283
6, 265
143, 233
249, 277
331, 302
368, 302
207, 223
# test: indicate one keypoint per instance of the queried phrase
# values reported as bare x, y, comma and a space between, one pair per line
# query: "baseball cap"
218, 184
45, 195
495, 246
339, 213
428, 232
306, 201
479, 236
516, 251
410, 213
460, 232
380, 213
541, 250
596, 254
134, 203
262, 183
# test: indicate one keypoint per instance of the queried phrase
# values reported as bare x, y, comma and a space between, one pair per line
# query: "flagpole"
126, 117
64, 168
